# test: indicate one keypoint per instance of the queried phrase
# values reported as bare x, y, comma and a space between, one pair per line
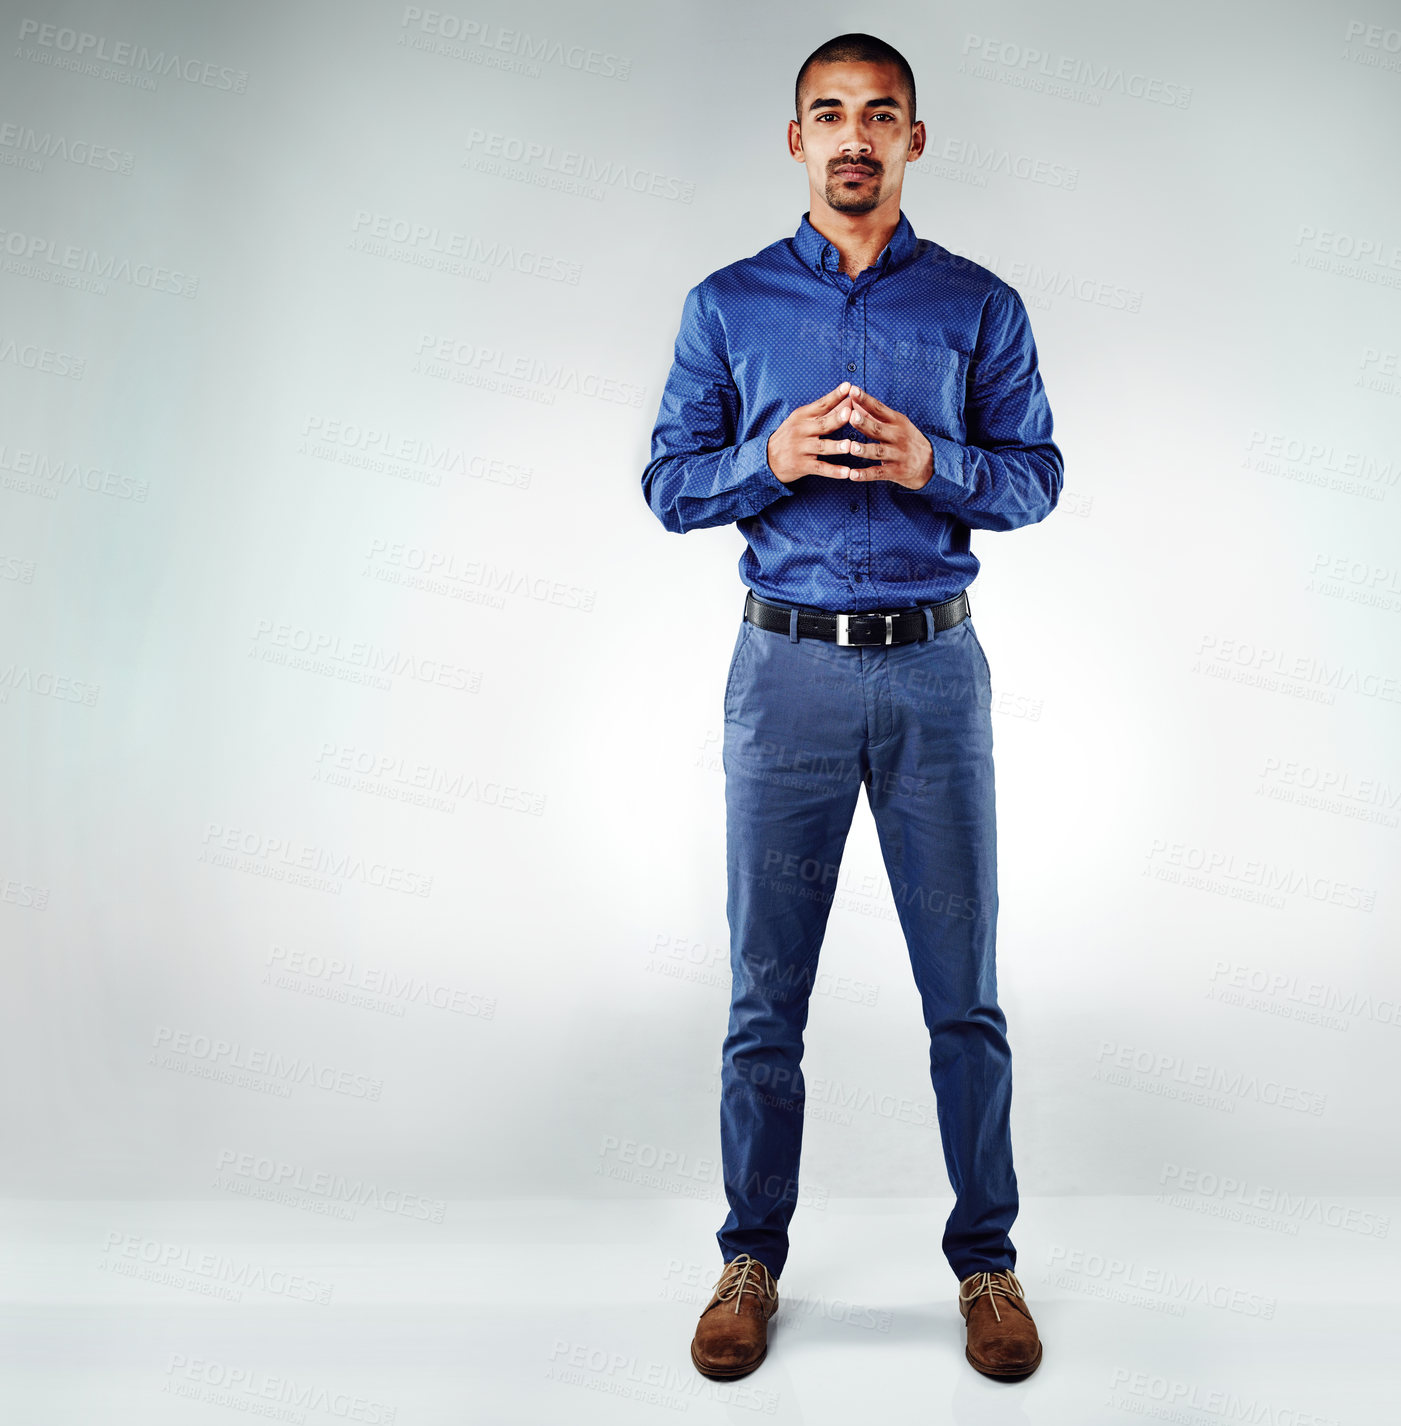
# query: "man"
858, 399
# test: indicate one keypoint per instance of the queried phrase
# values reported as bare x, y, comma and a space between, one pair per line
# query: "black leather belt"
865, 630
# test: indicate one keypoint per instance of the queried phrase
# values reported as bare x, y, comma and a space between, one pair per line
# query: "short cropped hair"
855, 49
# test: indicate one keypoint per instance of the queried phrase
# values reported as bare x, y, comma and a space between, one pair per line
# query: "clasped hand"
801, 445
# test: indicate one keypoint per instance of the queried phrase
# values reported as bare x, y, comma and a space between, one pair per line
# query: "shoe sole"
726, 1373
1005, 1373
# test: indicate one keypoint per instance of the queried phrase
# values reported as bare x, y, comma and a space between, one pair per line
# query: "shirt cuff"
758, 485
946, 485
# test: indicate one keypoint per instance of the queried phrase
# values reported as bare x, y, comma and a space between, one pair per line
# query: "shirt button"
851, 366
853, 505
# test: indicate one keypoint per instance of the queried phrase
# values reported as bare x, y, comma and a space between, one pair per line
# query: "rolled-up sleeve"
699, 474
1010, 472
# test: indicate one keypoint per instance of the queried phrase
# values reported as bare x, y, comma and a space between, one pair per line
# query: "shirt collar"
818, 253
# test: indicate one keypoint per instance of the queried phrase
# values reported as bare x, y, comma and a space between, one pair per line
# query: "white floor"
543, 1312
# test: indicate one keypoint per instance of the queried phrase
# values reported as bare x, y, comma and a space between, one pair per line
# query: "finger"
832, 420
869, 421
871, 429
876, 407
817, 465
824, 404
868, 450
818, 446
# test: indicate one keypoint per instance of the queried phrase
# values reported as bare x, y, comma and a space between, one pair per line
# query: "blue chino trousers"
808, 724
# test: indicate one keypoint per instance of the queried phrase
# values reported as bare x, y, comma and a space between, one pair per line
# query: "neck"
860, 238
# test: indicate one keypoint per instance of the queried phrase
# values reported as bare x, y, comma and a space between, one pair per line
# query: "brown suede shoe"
732, 1336
1002, 1340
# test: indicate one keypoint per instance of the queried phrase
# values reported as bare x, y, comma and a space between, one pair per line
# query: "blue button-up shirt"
933, 335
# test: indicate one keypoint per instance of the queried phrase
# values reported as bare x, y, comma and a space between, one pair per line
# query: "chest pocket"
929, 384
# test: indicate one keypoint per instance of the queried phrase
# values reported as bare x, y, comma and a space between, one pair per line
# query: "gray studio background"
364, 805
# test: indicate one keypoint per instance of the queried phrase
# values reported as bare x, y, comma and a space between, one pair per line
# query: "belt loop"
793, 626
929, 622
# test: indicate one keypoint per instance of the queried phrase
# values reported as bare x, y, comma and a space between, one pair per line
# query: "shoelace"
991, 1284
735, 1283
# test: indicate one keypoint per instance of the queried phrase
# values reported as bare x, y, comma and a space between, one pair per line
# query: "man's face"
855, 135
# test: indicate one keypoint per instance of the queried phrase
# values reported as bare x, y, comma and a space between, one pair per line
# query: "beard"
853, 200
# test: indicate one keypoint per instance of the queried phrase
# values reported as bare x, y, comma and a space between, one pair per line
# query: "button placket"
861, 551
849, 372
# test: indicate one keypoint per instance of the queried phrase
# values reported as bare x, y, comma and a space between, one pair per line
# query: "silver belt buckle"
890, 628
843, 631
